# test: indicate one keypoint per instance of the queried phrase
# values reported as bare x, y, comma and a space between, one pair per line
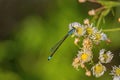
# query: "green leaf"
109, 4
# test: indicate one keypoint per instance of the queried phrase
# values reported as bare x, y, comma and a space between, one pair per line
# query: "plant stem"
111, 30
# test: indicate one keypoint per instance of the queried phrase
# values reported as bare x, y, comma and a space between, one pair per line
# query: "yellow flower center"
105, 56
117, 71
79, 31
99, 69
84, 57
98, 36
89, 30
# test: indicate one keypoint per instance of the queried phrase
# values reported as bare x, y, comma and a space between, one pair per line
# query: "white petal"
104, 36
116, 78
74, 24
102, 51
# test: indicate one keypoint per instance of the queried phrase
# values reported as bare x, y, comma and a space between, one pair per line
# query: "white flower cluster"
104, 57
90, 36
88, 30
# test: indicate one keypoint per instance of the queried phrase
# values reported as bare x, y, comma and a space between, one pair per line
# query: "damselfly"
57, 45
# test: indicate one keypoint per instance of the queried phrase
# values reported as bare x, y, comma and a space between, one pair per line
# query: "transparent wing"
57, 45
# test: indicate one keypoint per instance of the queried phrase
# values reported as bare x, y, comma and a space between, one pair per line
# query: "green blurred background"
29, 28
